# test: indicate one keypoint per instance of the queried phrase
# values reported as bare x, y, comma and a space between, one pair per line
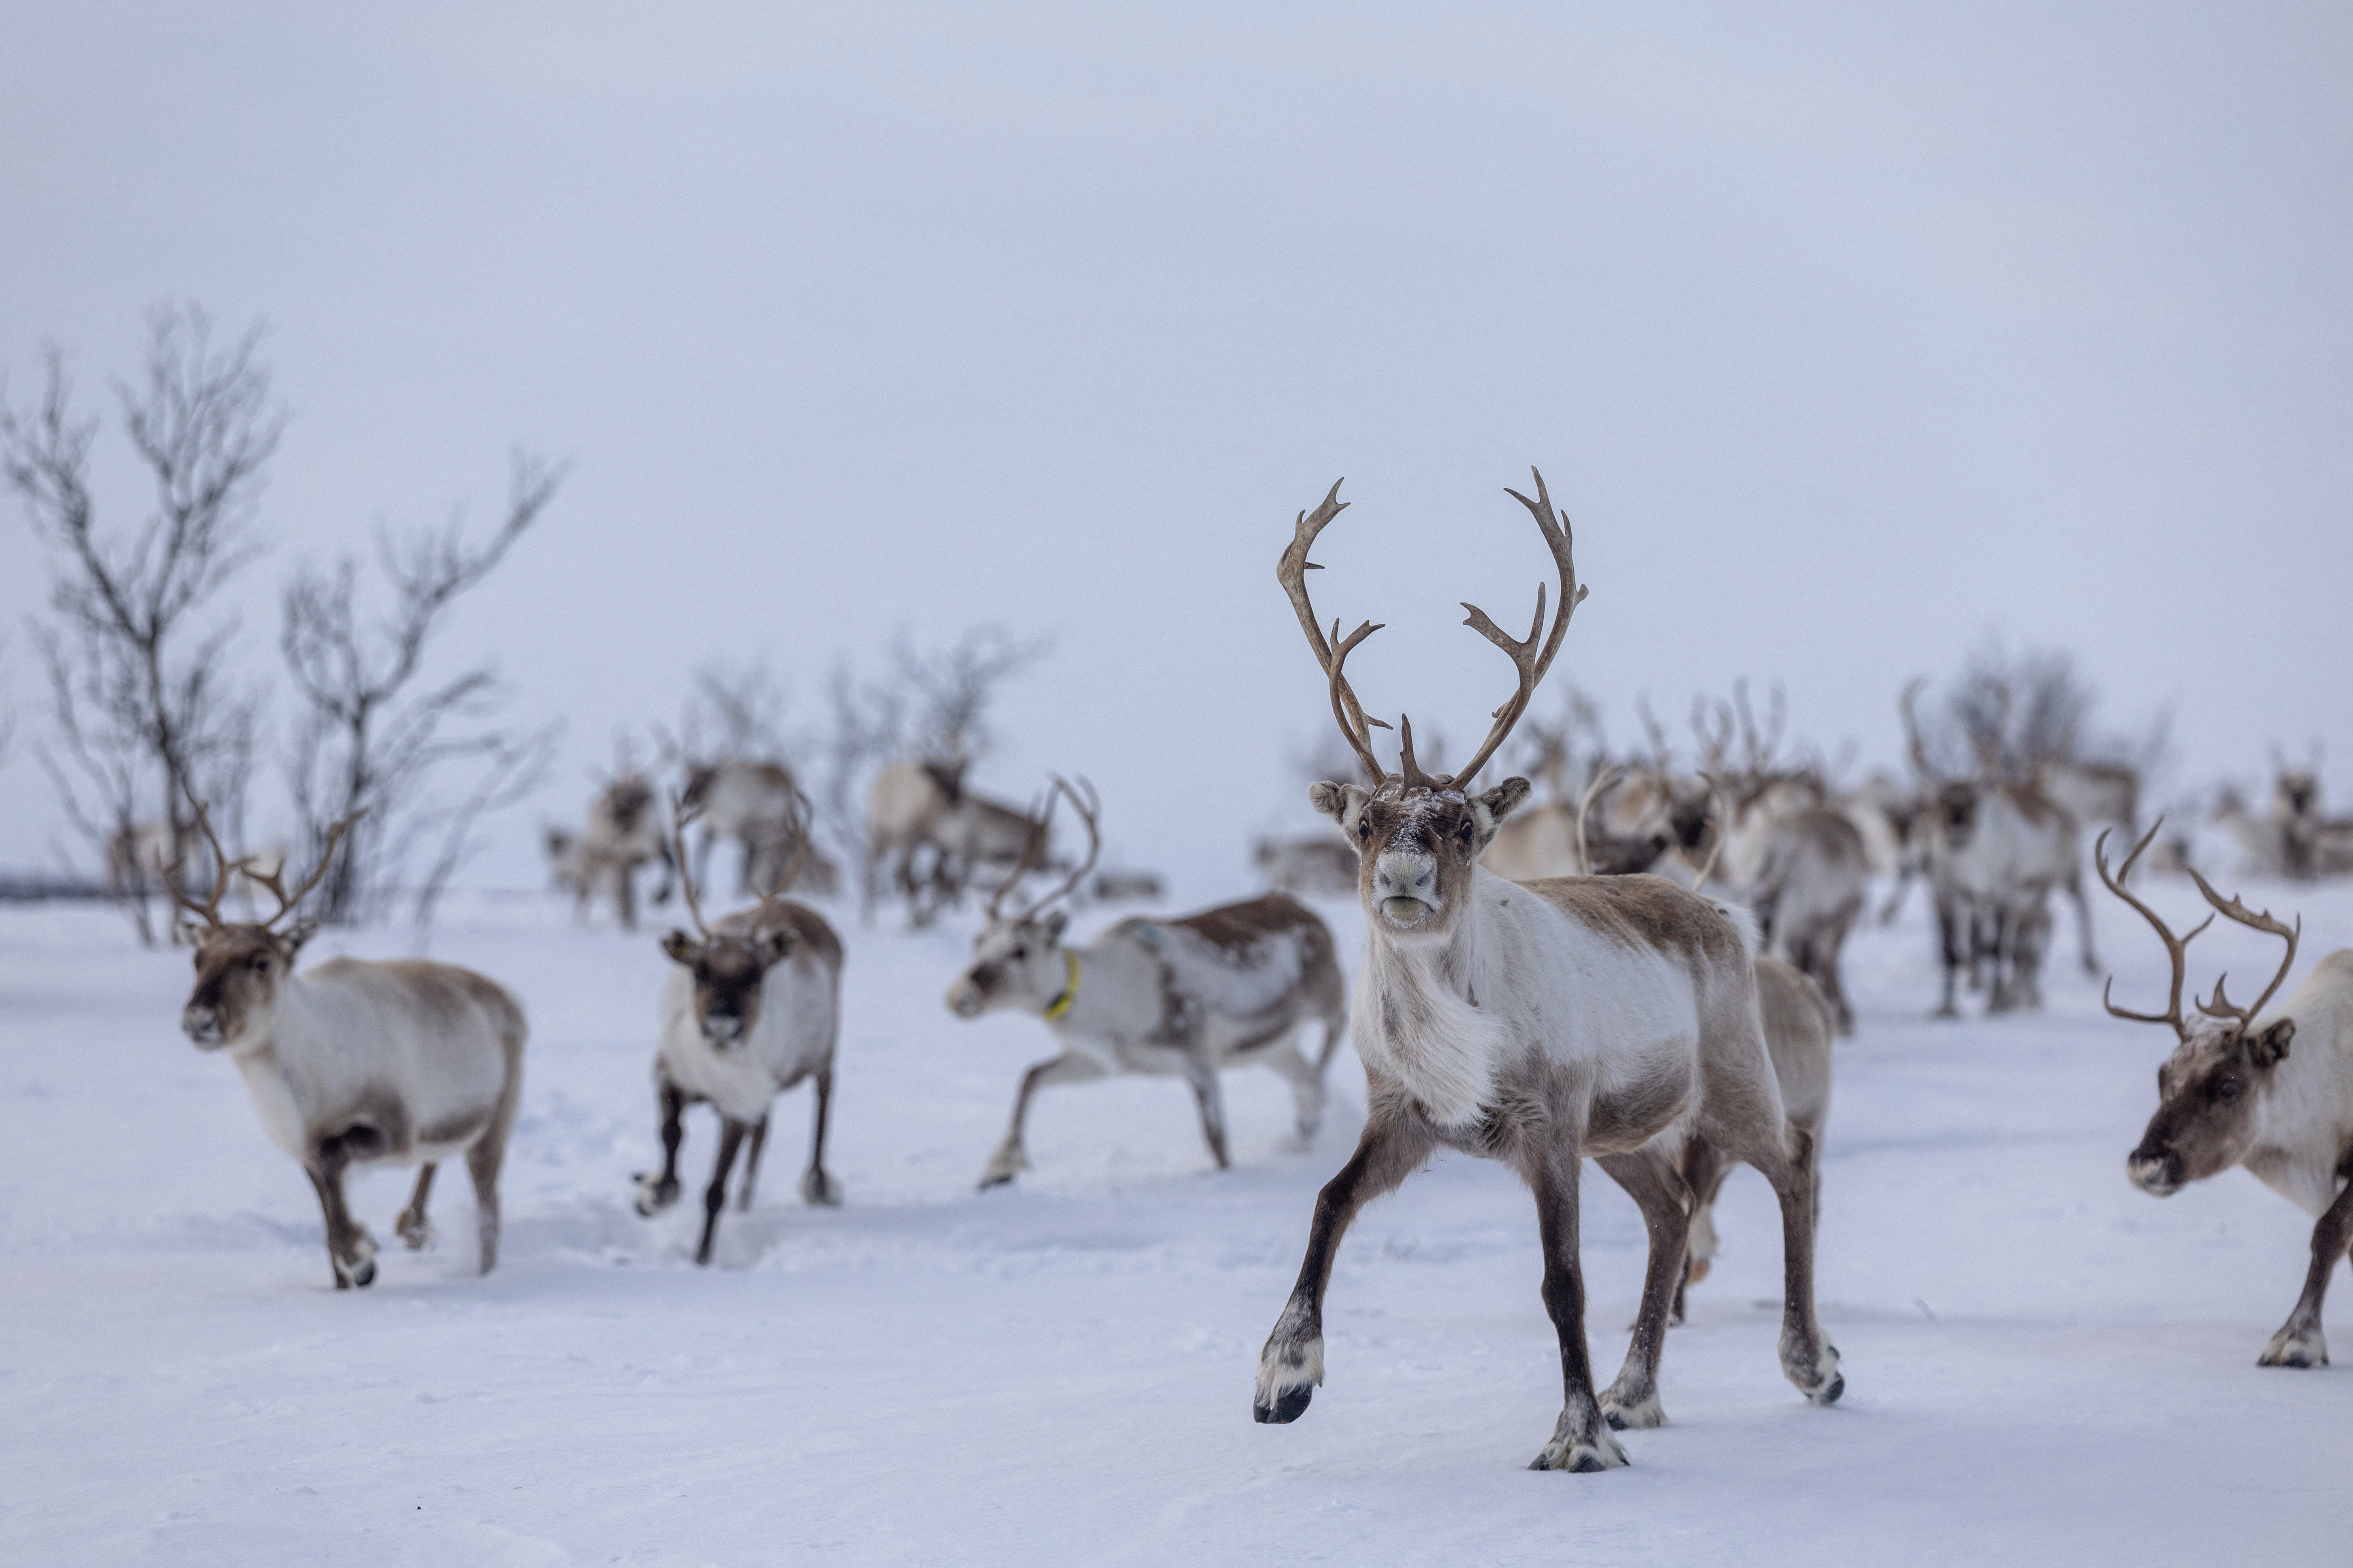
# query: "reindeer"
2233, 1093
1229, 986
1539, 1024
755, 805
353, 1063
623, 832
752, 1008
915, 806
1994, 851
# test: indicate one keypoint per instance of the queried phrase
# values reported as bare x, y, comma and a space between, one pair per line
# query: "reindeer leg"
1704, 1171
1306, 1082
1290, 1367
1808, 1359
1011, 1159
656, 1194
2299, 1342
1659, 1190
412, 1226
818, 1187
752, 1166
1581, 1439
350, 1248
482, 1163
1202, 1074
2083, 917
714, 1196
1954, 934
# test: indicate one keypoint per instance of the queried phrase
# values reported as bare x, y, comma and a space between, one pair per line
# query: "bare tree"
145, 719
745, 706
369, 743
952, 687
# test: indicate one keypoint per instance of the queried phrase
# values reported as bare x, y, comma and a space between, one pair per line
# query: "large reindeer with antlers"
354, 1062
752, 1008
1229, 986
1539, 1024
2233, 1093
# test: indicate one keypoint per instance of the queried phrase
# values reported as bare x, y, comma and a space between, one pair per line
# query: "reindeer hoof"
415, 1231
655, 1195
820, 1190
1601, 1452
2303, 1352
1829, 1394
1283, 1406
1622, 1411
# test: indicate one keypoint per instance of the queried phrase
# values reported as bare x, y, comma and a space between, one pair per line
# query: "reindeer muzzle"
720, 1030
2158, 1175
203, 1026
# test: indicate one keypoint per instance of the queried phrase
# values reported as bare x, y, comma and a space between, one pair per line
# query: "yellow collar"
1062, 1004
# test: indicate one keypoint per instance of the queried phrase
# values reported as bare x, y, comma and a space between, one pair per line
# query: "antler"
2219, 1005
1920, 762
1090, 812
209, 910
680, 816
1527, 658
1603, 779
1040, 829
2176, 948
1761, 747
276, 880
1713, 739
1290, 570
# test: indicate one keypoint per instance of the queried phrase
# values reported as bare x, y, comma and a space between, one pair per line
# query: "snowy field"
2043, 1365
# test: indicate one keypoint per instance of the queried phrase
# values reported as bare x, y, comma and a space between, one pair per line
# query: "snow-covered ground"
2043, 1365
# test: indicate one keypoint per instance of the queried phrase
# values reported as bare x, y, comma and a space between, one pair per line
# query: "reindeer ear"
1055, 923
2269, 1048
291, 940
1490, 809
679, 946
190, 933
1342, 803
775, 943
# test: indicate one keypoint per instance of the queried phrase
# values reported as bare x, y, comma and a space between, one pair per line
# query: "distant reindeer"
353, 1063
918, 806
1317, 866
1994, 852
753, 805
752, 1009
2234, 1094
1540, 1024
1230, 986
623, 832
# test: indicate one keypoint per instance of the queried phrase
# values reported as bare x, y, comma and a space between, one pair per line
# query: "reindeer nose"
2152, 1173
721, 1028
201, 1024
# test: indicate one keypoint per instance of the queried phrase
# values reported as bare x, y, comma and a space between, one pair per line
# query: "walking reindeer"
1230, 986
357, 1063
1540, 1024
752, 1008
2234, 1093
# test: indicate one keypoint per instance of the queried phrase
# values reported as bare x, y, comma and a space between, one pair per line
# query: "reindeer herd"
1540, 984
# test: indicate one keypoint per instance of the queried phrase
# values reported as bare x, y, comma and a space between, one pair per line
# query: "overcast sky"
1849, 336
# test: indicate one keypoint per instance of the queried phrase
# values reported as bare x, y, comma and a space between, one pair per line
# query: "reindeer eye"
2227, 1089
261, 965
1020, 952
1364, 827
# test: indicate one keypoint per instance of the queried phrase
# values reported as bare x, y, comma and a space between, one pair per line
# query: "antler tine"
1290, 570
223, 869
680, 816
276, 880
2176, 948
802, 821
1529, 662
1090, 812
1713, 739
2221, 1008
1603, 779
1041, 823
1344, 701
1920, 764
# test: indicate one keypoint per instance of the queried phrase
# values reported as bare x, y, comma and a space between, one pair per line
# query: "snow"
2044, 1364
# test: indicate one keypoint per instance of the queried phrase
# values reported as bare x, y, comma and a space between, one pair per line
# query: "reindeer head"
242, 966
730, 962
1017, 960
2296, 792
2212, 1092
1418, 835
